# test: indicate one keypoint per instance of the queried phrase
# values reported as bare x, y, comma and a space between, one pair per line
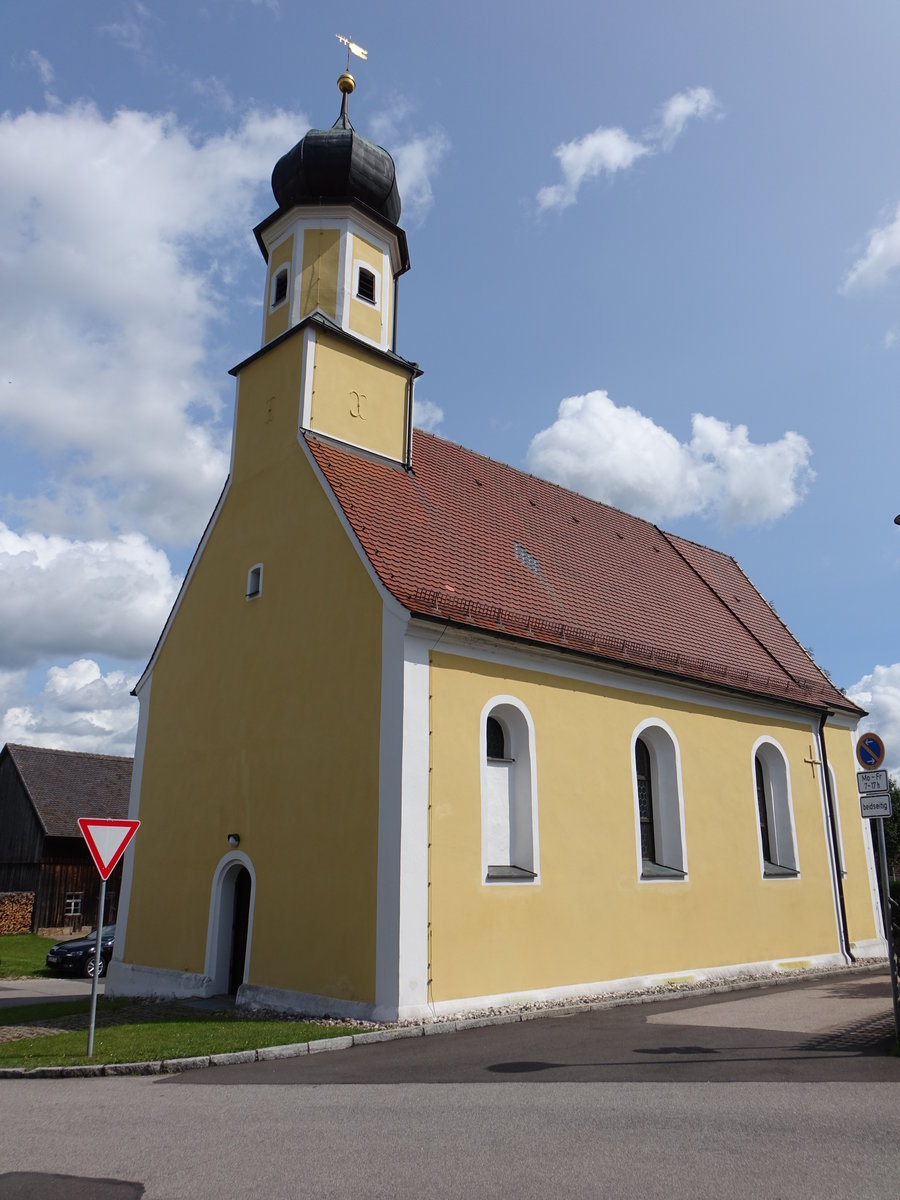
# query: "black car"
78, 954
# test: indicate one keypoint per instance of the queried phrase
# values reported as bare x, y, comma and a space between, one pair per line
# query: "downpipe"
834, 845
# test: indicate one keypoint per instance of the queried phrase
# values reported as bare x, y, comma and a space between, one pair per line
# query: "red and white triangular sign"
106, 840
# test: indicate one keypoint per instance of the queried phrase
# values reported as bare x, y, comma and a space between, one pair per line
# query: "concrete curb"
171, 1066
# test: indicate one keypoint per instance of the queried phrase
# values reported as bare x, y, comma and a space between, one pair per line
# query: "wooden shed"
42, 853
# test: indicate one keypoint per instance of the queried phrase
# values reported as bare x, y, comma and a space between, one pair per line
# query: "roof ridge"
769, 606
737, 616
80, 753
775, 614
700, 545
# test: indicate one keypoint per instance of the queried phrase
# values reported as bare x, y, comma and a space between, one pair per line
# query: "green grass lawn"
135, 1031
24, 954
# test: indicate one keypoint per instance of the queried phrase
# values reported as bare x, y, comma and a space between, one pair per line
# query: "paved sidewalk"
817, 1009
41, 991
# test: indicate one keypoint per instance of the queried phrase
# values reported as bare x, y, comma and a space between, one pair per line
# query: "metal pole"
888, 923
97, 961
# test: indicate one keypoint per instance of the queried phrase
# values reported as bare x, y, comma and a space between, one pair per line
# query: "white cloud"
604, 150
427, 415
417, 156
12, 688
698, 103
621, 457
129, 32
879, 693
384, 126
880, 259
214, 93
111, 235
42, 66
62, 597
78, 709
610, 150
417, 161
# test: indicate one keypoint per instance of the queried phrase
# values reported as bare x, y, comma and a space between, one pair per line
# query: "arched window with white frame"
509, 828
658, 806
774, 811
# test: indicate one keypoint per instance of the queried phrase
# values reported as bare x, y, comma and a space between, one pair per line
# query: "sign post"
106, 841
875, 804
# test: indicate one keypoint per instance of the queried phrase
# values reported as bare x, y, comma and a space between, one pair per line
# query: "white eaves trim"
545, 660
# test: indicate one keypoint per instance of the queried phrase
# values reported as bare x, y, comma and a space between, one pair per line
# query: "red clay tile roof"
468, 540
65, 785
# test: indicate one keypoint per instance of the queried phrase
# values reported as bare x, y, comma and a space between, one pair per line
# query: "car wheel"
89, 968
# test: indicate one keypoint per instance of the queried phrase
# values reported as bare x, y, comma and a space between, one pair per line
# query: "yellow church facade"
424, 734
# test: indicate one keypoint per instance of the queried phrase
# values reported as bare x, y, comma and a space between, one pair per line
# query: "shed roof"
64, 785
465, 539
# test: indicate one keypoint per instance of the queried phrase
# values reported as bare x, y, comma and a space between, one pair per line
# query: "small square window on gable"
280, 287
254, 581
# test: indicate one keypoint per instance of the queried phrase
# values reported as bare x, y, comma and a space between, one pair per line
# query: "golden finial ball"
346, 83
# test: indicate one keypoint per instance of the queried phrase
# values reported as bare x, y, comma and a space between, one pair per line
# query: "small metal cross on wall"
813, 762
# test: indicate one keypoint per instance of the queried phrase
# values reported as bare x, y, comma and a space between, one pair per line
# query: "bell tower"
334, 255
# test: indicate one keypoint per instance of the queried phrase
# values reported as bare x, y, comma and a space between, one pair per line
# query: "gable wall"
21, 835
264, 720
589, 917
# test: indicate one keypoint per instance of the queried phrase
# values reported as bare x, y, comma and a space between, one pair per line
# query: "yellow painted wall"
264, 719
359, 398
277, 319
365, 318
319, 276
589, 918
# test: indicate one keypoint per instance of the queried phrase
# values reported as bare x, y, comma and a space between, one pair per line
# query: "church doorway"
229, 938
240, 927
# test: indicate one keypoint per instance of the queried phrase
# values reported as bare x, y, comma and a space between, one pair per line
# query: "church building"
424, 734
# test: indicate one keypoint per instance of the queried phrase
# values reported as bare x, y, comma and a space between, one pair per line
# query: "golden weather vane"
346, 82
352, 48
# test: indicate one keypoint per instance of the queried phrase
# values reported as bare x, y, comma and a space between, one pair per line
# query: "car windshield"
109, 931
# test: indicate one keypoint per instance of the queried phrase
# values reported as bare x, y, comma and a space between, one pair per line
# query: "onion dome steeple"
334, 255
338, 165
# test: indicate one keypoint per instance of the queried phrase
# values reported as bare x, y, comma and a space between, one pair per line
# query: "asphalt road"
837, 1031
666, 1100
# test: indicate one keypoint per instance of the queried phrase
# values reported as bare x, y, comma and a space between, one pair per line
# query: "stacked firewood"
15, 911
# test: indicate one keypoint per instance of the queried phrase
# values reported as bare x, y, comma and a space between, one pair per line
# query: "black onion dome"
335, 165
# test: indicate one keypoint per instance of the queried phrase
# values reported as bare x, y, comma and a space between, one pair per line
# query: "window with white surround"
367, 284
509, 841
73, 904
254, 581
659, 811
279, 287
774, 811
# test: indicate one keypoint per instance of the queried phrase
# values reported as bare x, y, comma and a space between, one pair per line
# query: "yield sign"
106, 840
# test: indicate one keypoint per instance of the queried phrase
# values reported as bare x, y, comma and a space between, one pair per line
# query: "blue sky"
655, 256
